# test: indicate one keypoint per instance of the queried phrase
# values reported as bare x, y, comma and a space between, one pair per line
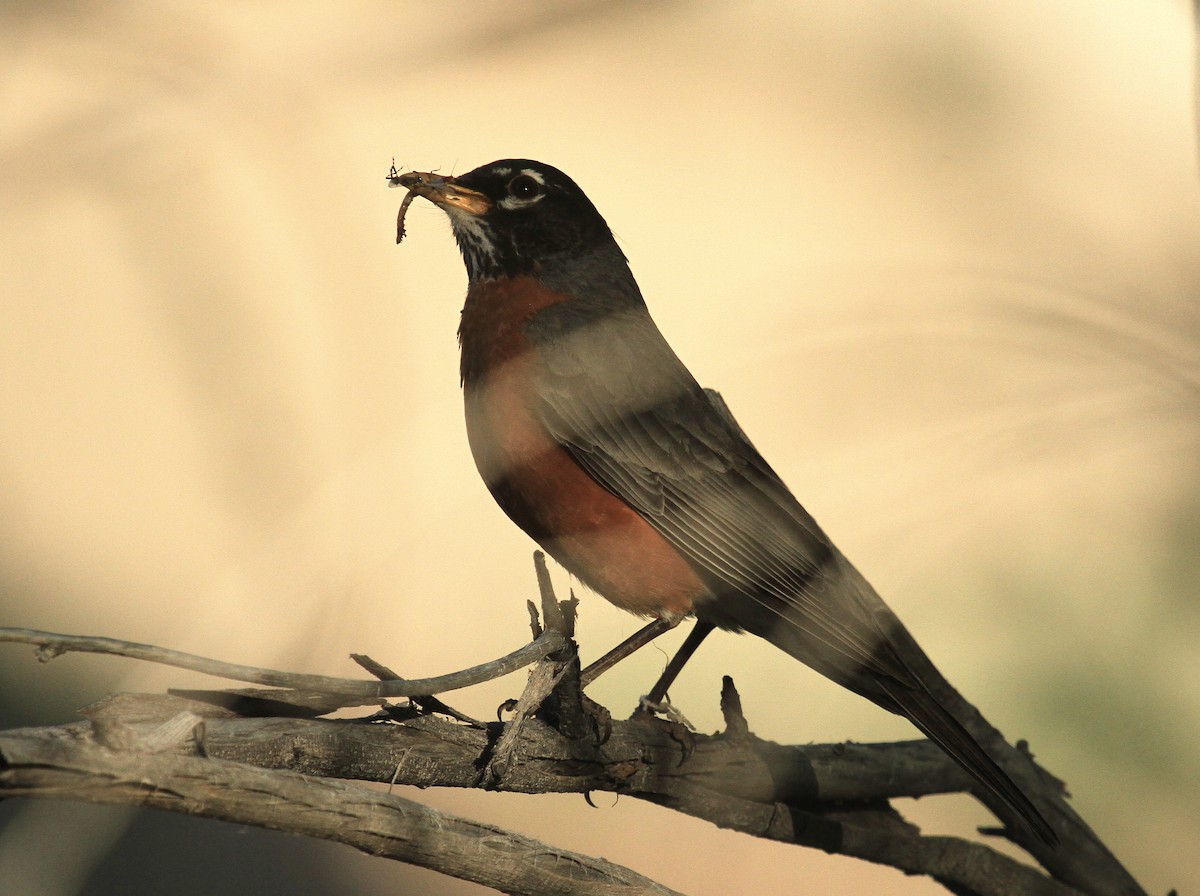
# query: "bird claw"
666, 709
678, 728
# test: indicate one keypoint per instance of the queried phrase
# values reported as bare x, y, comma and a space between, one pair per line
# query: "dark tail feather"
924, 710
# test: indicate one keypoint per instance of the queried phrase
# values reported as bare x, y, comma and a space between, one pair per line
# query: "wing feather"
662, 445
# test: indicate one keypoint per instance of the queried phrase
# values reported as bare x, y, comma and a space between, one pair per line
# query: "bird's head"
514, 217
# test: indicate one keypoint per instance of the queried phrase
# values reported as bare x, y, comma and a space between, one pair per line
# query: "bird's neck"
583, 287
492, 331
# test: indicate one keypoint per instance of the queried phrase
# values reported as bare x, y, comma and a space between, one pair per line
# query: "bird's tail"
935, 721
894, 672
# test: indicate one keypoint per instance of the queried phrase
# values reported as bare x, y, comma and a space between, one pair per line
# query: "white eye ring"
524, 190
523, 187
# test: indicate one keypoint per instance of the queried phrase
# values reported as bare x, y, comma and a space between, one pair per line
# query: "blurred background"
940, 257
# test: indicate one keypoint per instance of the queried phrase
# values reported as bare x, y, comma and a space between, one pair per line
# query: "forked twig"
354, 691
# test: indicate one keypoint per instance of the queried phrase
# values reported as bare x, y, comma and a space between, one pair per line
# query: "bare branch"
64, 763
830, 797
356, 692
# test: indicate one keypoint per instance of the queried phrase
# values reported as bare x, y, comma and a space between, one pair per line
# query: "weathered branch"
67, 763
352, 692
276, 773
261, 757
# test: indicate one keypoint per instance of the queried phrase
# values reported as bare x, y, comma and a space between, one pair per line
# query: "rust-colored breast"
590, 531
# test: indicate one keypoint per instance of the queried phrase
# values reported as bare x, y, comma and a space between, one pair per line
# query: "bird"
596, 440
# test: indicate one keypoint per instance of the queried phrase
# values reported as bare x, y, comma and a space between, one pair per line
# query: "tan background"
940, 257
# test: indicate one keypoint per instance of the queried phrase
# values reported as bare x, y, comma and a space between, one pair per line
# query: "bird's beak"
443, 191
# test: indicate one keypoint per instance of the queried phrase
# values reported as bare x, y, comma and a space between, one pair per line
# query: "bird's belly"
594, 534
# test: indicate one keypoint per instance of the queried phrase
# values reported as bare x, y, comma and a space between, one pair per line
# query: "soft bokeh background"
940, 257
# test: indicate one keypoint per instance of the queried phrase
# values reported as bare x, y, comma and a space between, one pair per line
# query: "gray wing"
614, 394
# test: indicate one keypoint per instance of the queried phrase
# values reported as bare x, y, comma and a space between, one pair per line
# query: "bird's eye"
524, 187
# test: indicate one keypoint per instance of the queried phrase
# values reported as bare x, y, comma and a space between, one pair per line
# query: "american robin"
596, 440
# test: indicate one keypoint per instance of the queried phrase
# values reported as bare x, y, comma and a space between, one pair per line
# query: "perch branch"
833, 798
829, 797
66, 764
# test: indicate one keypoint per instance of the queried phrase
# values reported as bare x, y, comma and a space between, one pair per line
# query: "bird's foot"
666, 709
671, 720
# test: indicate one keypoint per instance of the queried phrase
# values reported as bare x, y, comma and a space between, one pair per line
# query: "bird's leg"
630, 645
695, 637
